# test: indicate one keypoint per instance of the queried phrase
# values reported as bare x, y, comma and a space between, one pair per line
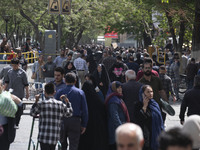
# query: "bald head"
129, 136
130, 75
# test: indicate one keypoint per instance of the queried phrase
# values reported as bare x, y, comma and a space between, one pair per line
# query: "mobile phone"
143, 96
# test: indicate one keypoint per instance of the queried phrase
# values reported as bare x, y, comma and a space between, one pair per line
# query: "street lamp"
6, 18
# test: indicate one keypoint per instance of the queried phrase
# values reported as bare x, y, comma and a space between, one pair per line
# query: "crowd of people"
100, 98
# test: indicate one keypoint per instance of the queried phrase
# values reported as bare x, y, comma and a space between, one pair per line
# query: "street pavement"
23, 133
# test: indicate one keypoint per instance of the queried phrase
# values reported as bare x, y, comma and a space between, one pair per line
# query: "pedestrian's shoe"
16, 127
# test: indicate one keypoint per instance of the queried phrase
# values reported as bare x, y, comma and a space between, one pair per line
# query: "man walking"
16, 80
59, 59
154, 82
48, 69
191, 100
130, 91
81, 67
76, 125
51, 112
129, 136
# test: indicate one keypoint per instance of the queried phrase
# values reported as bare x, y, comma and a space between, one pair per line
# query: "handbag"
8, 108
166, 107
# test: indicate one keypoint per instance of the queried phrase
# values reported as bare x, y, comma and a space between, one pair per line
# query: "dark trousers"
71, 129
4, 143
18, 114
45, 146
112, 147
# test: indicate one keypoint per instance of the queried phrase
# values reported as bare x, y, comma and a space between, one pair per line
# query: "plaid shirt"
167, 84
51, 112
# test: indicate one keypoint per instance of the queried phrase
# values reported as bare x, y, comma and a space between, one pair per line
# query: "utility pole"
59, 32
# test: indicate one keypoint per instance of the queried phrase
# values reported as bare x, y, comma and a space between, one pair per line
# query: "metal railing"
29, 56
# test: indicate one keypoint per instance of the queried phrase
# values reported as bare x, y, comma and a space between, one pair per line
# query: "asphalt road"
23, 133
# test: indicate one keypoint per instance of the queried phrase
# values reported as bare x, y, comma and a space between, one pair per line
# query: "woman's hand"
145, 103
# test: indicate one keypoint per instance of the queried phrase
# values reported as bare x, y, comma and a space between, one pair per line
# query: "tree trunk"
172, 31
70, 42
35, 26
147, 40
196, 30
181, 35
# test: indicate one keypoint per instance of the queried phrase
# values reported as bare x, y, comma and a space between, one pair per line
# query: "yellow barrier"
29, 56
161, 57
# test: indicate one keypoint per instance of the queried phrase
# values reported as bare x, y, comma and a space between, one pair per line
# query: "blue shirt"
59, 60
78, 101
3, 120
59, 86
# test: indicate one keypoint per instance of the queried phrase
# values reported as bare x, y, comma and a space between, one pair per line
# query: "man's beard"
147, 73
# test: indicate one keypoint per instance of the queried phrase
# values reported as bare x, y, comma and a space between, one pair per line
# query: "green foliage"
91, 17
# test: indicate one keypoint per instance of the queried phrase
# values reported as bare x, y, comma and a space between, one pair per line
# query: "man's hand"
63, 97
37, 97
182, 122
83, 130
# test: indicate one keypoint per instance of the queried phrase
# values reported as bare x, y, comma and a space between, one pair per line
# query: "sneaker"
16, 127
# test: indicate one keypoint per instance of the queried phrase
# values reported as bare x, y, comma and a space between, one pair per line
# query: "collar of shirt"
152, 78
49, 97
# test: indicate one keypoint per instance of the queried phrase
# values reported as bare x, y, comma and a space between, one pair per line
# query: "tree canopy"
175, 18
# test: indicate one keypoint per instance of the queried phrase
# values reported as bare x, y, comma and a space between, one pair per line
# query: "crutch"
30, 138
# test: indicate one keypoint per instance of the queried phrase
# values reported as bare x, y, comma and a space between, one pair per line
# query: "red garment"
140, 74
9, 57
123, 105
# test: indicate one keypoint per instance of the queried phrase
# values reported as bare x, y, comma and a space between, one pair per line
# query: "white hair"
129, 128
130, 74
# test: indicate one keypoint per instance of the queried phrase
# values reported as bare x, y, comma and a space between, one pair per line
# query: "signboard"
59, 7
66, 6
111, 35
54, 7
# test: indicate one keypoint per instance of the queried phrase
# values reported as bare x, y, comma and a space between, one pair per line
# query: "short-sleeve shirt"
17, 80
156, 85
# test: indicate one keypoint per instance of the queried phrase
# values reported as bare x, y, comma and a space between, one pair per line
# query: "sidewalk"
23, 133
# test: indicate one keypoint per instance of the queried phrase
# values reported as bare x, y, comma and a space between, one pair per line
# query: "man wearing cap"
59, 59
16, 80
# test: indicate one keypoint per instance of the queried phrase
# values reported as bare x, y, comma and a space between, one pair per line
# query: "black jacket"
131, 96
192, 101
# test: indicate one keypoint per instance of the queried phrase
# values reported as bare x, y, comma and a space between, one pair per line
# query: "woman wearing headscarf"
192, 128
69, 67
89, 77
117, 112
101, 78
95, 137
148, 117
